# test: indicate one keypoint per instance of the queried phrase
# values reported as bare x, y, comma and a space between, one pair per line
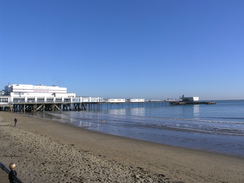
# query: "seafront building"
24, 97
34, 93
23, 93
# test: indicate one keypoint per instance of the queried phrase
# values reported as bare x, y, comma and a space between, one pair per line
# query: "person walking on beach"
15, 122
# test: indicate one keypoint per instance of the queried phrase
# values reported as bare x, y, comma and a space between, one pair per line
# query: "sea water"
215, 128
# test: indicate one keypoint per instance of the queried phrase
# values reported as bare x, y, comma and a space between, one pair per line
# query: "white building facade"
22, 93
25, 93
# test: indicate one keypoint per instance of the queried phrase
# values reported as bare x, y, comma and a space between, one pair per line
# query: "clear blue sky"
125, 48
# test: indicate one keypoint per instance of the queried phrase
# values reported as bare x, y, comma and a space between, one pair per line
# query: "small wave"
222, 131
195, 119
164, 123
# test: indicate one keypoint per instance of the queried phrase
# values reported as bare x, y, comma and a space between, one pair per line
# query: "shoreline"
187, 141
51, 151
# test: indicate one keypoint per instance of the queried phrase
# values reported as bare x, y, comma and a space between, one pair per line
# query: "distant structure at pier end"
188, 99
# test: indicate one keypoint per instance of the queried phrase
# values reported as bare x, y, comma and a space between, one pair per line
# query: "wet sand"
50, 151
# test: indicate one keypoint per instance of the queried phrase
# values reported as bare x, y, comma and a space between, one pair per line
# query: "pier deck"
80, 106
70, 106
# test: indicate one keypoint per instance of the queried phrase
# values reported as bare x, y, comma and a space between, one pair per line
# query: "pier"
33, 107
33, 98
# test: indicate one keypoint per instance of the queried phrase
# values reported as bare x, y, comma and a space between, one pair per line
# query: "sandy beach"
50, 151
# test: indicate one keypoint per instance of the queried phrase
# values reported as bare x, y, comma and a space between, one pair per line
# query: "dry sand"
50, 151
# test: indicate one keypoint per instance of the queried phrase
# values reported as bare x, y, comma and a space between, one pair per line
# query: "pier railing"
69, 106
4, 168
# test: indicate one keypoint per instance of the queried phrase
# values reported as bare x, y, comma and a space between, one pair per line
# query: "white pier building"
23, 93
32, 98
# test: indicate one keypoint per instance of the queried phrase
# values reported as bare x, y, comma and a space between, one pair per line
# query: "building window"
49, 99
58, 100
19, 100
30, 99
3, 99
40, 99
